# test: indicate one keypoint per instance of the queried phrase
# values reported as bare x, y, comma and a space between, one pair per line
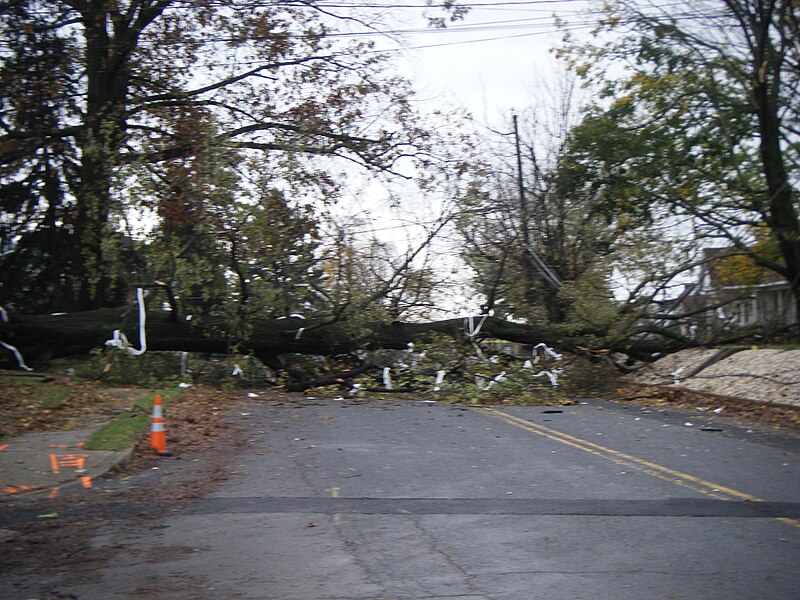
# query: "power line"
542, 25
359, 52
529, 5
508, 25
544, 28
587, 19
383, 6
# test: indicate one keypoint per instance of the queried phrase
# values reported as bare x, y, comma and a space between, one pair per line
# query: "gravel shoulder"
770, 376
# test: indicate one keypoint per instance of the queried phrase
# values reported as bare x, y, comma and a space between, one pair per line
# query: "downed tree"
40, 338
52, 336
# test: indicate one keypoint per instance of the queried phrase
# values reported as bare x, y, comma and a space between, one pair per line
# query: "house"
768, 305
743, 296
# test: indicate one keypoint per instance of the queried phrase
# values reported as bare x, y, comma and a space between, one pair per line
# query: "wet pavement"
345, 500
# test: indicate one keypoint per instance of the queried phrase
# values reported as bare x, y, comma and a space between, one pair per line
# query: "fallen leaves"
59, 403
763, 413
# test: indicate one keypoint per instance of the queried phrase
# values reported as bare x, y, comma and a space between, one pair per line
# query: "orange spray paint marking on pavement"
16, 489
57, 461
3, 447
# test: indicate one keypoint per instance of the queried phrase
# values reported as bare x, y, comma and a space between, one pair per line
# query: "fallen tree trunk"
42, 337
68, 334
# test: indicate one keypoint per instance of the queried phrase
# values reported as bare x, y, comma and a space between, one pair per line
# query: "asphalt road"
342, 500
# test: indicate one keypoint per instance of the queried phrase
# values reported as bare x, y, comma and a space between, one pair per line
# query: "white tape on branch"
545, 350
142, 323
470, 330
119, 340
17, 355
439, 379
551, 375
469, 326
387, 378
498, 379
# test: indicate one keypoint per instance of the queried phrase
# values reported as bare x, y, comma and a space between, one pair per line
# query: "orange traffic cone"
158, 437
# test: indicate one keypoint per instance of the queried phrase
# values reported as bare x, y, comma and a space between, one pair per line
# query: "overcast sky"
491, 61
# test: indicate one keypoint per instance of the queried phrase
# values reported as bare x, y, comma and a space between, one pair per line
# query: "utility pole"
523, 205
546, 272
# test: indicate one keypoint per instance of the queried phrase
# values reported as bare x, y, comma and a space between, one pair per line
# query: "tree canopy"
532, 231
198, 148
699, 121
112, 110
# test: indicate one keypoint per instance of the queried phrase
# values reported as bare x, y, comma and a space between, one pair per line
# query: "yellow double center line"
691, 482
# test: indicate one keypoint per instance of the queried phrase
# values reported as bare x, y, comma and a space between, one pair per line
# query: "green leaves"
158, 111
694, 131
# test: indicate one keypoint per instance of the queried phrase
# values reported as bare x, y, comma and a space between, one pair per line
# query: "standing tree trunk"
110, 40
768, 64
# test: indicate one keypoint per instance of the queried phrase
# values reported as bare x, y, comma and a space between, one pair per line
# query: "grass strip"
121, 433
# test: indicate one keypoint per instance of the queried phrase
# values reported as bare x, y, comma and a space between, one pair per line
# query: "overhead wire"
543, 24
382, 6
544, 28
484, 26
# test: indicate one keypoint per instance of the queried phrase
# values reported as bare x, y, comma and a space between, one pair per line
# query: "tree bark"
110, 40
771, 27
42, 337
